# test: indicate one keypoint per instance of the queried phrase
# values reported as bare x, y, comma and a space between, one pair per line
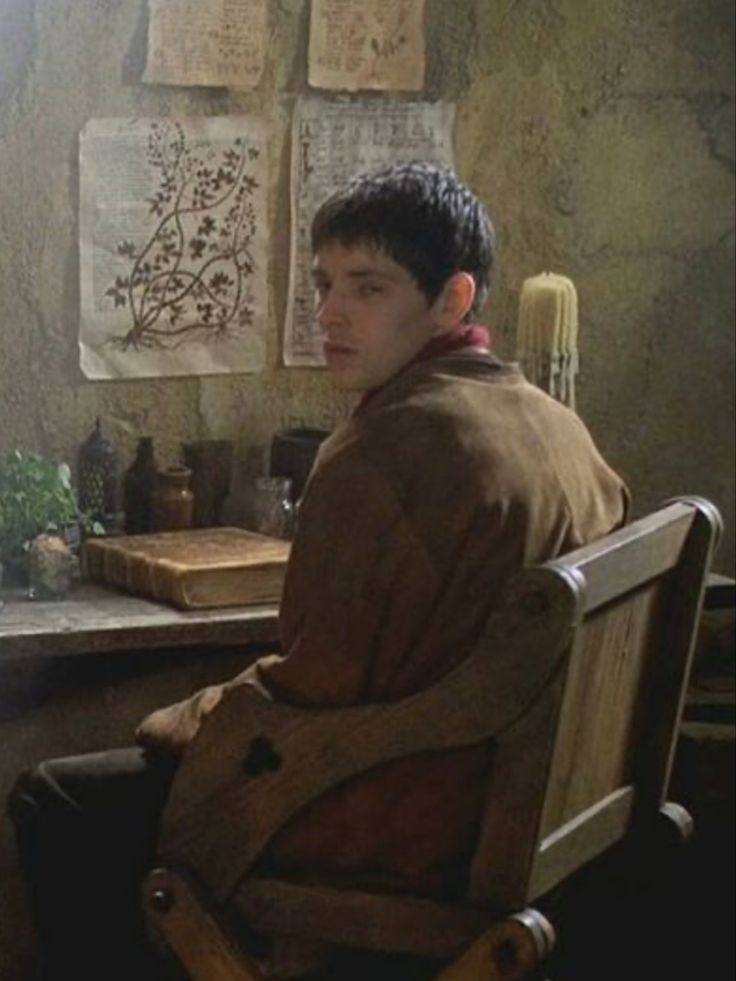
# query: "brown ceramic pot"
210, 461
172, 505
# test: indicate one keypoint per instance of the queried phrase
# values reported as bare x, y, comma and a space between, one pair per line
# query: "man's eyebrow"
364, 272
360, 272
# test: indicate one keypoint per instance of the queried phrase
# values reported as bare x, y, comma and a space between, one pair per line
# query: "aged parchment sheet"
367, 44
173, 245
331, 142
207, 42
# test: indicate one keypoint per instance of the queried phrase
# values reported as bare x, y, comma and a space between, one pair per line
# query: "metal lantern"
96, 474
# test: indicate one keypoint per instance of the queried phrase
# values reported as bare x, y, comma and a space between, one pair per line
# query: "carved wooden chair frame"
579, 679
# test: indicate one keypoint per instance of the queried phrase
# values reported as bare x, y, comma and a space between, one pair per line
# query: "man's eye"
369, 289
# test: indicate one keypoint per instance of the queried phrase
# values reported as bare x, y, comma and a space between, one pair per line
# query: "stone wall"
599, 134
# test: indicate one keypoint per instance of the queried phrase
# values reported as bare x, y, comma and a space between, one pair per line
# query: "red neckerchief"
463, 336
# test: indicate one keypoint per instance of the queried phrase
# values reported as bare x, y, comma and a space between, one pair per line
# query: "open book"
206, 567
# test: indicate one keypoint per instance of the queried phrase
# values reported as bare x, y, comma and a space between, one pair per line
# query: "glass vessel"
51, 568
139, 484
293, 452
268, 507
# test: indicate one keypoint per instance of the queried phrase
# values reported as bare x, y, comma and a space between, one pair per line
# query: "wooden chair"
579, 679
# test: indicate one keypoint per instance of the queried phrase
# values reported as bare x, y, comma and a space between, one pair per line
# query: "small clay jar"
172, 505
210, 461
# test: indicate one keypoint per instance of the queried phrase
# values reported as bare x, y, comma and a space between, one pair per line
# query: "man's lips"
333, 350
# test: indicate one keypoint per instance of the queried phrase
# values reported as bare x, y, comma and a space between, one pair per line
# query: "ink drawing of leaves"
188, 281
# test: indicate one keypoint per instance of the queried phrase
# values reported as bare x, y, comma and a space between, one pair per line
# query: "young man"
451, 474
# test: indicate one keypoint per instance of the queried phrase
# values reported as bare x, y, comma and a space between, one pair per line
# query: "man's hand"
172, 729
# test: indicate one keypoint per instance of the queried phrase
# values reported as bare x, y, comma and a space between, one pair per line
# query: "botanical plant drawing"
386, 47
189, 282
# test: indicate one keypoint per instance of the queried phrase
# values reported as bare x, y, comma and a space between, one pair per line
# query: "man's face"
374, 317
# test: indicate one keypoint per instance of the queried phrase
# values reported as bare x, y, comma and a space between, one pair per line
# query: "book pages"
332, 141
367, 44
218, 43
173, 245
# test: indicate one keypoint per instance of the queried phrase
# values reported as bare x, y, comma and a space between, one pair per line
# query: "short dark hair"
422, 217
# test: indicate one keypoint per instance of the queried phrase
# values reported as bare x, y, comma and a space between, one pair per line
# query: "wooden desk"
94, 620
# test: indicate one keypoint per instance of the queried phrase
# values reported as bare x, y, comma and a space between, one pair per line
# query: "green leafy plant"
36, 495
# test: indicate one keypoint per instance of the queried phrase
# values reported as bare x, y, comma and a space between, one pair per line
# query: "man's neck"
473, 337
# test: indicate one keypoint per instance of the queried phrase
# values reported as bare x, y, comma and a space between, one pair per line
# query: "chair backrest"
579, 679
593, 756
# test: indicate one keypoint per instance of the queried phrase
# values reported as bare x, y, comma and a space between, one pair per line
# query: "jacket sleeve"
171, 728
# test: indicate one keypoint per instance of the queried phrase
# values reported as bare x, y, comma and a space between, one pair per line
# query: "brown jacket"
451, 477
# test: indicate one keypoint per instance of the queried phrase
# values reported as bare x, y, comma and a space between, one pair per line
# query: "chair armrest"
256, 762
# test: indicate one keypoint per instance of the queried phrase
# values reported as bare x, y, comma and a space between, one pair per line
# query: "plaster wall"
599, 134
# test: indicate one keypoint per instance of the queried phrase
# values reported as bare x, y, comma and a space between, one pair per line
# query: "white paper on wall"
173, 246
332, 141
367, 44
216, 43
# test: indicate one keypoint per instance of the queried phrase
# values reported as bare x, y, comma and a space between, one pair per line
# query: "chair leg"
509, 951
202, 945
677, 821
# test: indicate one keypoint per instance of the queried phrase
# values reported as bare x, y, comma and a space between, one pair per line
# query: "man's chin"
347, 379
342, 372
345, 383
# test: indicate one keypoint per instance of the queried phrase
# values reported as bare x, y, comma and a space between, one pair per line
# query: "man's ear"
455, 300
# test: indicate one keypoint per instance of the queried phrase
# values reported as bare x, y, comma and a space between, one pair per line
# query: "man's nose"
330, 309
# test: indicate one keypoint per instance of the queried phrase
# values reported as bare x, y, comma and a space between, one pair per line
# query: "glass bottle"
270, 508
172, 505
139, 484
